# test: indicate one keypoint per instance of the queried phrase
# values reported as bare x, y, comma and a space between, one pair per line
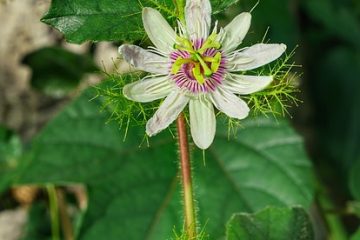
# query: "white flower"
197, 67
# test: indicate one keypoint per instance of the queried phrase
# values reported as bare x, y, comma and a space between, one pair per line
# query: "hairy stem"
185, 165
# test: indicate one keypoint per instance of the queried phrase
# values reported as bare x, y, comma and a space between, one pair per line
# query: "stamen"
197, 74
216, 63
208, 59
210, 43
178, 63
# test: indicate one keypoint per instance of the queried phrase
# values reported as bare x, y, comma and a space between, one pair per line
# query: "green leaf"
221, 5
56, 71
271, 224
354, 180
356, 236
344, 25
101, 20
279, 28
353, 207
38, 227
10, 153
134, 191
336, 73
332, 33
108, 20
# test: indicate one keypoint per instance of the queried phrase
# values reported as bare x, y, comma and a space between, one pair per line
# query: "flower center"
198, 65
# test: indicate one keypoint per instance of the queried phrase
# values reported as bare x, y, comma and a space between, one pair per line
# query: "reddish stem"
185, 165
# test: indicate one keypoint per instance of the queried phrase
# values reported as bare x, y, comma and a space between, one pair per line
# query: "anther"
197, 74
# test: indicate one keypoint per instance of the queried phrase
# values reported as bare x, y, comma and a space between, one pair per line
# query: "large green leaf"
108, 20
134, 190
56, 71
271, 224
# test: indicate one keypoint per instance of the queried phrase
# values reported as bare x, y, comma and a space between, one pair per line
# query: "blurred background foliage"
326, 35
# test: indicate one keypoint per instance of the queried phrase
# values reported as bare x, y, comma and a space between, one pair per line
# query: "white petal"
243, 84
230, 104
235, 31
255, 56
198, 18
144, 60
167, 113
202, 122
147, 90
158, 30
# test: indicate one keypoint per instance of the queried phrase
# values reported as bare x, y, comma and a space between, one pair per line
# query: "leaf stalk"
54, 211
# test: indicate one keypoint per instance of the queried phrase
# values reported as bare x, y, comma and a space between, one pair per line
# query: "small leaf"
353, 207
10, 153
56, 71
356, 236
354, 180
271, 224
39, 226
221, 5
